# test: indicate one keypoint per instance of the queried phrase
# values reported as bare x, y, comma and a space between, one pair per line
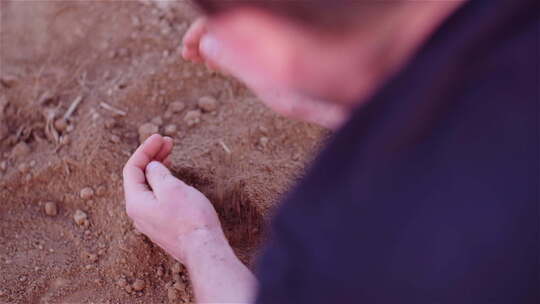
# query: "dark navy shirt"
430, 193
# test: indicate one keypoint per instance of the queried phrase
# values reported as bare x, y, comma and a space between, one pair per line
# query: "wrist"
201, 244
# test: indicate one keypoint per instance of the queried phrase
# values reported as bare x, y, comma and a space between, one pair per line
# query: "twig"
112, 109
73, 107
225, 147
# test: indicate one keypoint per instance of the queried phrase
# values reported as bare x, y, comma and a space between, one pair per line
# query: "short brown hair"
323, 13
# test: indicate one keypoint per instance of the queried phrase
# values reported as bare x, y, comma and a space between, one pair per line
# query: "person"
428, 190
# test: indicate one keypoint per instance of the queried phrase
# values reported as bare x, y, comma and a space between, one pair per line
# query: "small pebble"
263, 141
176, 107
170, 130
158, 121
208, 103
115, 138
80, 217
192, 117
146, 130
60, 125
121, 282
20, 149
138, 285
87, 193
51, 209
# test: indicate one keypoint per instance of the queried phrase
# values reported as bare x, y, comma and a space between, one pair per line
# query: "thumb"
160, 179
213, 52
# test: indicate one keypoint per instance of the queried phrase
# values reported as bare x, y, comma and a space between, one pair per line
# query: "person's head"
334, 50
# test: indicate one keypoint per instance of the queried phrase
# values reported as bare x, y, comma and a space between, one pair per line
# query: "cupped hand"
163, 207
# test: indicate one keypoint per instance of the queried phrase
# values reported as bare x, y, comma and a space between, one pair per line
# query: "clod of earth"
51, 209
146, 130
176, 107
87, 193
192, 117
139, 285
115, 138
60, 125
208, 103
170, 130
263, 141
20, 149
158, 121
80, 218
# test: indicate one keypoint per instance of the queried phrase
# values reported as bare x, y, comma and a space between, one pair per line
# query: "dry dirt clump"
51, 209
192, 117
78, 81
208, 103
146, 130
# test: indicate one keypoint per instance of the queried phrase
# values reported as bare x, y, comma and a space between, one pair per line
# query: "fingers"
191, 40
161, 180
134, 178
166, 149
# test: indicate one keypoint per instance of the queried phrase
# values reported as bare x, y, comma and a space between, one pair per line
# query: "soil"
78, 82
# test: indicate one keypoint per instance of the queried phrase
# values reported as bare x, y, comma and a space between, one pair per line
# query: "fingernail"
210, 47
153, 165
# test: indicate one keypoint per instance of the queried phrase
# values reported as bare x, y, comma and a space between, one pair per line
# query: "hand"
171, 213
184, 223
192, 41
285, 102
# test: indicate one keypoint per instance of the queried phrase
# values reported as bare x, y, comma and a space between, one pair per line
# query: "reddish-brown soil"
118, 63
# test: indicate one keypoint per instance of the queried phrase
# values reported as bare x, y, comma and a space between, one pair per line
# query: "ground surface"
110, 67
